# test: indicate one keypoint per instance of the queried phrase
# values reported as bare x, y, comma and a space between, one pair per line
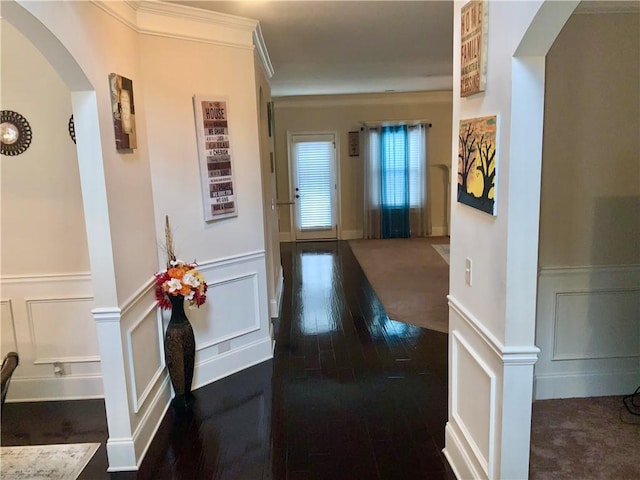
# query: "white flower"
190, 296
191, 280
174, 285
175, 262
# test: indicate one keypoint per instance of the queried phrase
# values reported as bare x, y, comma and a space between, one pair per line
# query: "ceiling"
338, 47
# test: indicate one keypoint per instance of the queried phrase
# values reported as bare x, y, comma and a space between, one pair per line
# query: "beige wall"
590, 205
342, 114
42, 214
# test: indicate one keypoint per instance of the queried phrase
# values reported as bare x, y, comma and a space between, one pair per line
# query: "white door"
314, 186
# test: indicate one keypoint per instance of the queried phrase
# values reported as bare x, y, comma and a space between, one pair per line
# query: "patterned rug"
45, 462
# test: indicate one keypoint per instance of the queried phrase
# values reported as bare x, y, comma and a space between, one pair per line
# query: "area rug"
409, 277
584, 438
45, 462
443, 251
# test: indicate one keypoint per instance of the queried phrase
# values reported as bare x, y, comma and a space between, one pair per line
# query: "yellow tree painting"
477, 163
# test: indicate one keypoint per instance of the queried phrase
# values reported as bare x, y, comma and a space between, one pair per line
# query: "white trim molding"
587, 328
404, 98
489, 396
261, 50
183, 22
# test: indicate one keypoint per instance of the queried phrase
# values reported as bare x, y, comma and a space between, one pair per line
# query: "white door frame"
336, 166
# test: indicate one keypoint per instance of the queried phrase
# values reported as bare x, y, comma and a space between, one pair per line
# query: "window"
315, 183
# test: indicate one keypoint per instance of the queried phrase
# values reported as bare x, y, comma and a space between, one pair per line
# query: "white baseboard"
276, 303
439, 231
41, 389
456, 455
351, 234
222, 365
585, 385
286, 237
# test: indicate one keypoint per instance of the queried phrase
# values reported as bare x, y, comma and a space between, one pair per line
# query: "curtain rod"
392, 123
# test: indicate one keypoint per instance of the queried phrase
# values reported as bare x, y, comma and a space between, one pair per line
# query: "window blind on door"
315, 184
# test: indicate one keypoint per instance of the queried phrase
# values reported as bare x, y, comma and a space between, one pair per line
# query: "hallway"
349, 394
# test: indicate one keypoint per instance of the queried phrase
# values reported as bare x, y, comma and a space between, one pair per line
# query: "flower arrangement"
180, 278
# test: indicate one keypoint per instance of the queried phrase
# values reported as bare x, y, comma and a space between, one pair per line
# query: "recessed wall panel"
600, 324
63, 330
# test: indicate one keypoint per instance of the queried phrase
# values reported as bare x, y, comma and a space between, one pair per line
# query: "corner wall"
589, 285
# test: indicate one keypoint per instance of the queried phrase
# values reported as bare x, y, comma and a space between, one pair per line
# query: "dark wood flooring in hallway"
349, 394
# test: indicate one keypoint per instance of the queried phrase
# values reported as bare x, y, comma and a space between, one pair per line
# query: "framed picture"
354, 144
124, 112
477, 163
216, 158
474, 34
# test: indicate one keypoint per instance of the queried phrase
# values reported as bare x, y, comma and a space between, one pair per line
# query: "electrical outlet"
468, 273
59, 369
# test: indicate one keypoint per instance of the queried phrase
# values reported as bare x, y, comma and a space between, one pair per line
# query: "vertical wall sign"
214, 150
477, 163
124, 112
473, 44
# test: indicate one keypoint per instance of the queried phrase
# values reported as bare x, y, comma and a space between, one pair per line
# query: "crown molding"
163, 19
261, 49
406, 98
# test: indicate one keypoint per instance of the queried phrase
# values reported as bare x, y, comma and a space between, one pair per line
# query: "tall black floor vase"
180, 353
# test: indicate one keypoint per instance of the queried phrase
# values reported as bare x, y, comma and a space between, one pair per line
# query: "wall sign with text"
214, 150
474, 18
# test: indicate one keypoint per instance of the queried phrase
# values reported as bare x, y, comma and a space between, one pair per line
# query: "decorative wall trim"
106, 314
138, 402
580, 310
69, 387
224, 364
182, 22
12, 324
121, 454
462, 465
37, 360
515, 355
46, 278
137, 296
256, 310
409, 98
486, 462
146, 428
261, 50
232, 260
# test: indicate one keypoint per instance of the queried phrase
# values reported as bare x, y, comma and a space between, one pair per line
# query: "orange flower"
176, 272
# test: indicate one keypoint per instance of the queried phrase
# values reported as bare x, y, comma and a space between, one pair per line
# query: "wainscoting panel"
7, 329
471, 393
62, 330
146, 363
588, 329
487, 415
235, 310
47, 319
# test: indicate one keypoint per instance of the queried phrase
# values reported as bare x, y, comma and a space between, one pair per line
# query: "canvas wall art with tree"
477, 163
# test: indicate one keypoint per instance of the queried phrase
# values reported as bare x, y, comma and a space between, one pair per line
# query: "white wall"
46, 280
589, 285
85, 42
492, 319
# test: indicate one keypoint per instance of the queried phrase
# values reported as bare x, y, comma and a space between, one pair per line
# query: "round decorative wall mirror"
15, 133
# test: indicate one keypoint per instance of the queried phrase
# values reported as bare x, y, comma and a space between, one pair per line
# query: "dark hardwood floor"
349, 394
